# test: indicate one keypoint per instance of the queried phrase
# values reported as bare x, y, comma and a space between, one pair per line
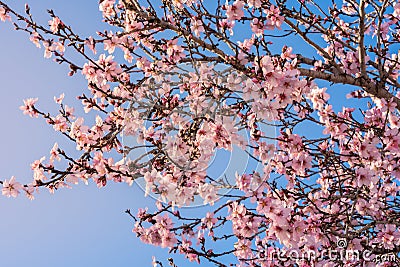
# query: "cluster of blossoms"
179, 81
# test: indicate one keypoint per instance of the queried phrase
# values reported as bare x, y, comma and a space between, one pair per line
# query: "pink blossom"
90, 72
107, 7
110, 69
91, 44
235, 11
396, 12
196, 26
209, 220
243, 249
29, 190
174, 51
111, 43
227, 25
60, 123
254, 3
275, 20
208, 192
59, 99
35, 38
257, 26
48, 49
3, 15
364, 177
11, 187
301, 162
28, 107
54, 154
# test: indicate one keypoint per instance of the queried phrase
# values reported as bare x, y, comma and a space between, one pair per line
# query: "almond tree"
187, 78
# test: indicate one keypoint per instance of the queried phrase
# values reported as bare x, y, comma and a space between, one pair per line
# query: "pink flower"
28, 107
54, 155
154, 261
254, 3
90, 72
274, 18
34, 38
91, 44
29, 191
235, 11
209, 220
396, 12
301, 162
107, 7
110, 69
365, 177
227, 25
168, 239
48, 49
111, 43
60, 123
59, 99
11, 188
55, 24
257, 26
208, 192
243, 249
196, 26
59, 47
174, 51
